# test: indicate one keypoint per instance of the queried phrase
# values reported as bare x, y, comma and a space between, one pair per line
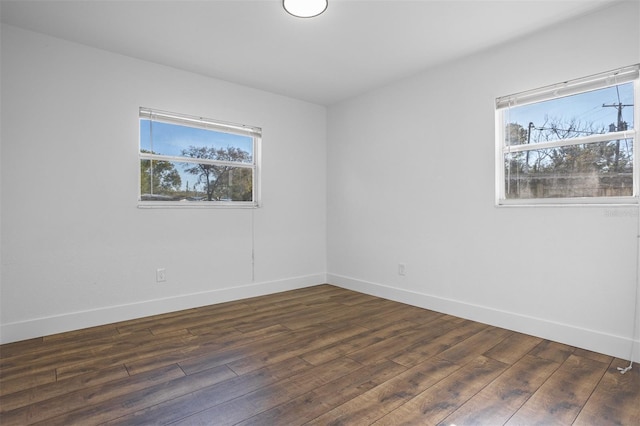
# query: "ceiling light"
305, 8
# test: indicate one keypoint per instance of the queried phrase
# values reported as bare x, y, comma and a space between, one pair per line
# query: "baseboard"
617, 346
39, 327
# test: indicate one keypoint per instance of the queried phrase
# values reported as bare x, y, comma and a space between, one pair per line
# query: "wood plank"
244, 307
470, 348
440, 400
207, 344
616, 399
253, 362
133, 399
232, 319
381, 317
363, 340
224, 313
264, 316
42, 357
239, 409
55, 389
593, 355
199, 400
374, 404
235, 353
86, 398
390, 347
18, 348
313, 315
123, 352
223, 319
144, 323
352, 298
25, 380
47, 356
552, 351
375, 314
355, 315
497, 402
513, 348
560, 399
409, 313
321, 354
310, 405
435, 341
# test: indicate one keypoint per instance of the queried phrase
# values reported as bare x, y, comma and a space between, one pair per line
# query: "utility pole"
621, 124
531, 127
620, 127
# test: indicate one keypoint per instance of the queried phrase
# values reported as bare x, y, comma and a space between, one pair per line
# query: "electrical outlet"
161, 275
402, 269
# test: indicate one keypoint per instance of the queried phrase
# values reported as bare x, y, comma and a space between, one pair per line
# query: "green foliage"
594, 169
157, 177
221, 182
613, 156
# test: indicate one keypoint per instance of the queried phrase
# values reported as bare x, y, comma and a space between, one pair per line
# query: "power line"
555, 129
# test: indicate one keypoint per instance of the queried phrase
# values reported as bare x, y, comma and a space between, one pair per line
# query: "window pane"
182, 181
595, 112
178, 140
602, 169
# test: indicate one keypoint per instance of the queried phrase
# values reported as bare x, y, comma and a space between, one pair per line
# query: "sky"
585, 107
170, 139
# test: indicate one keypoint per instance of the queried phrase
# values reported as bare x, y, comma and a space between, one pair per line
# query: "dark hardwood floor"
320, 355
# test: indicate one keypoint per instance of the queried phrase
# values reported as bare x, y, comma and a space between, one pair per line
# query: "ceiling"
355, 46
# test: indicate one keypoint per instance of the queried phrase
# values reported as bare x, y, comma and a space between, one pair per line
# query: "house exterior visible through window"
188, 161
570, 143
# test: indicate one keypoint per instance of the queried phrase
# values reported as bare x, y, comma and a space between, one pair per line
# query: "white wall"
411, 180
76, 250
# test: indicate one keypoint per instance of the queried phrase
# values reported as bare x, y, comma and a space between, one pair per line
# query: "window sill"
571, 202
199, 205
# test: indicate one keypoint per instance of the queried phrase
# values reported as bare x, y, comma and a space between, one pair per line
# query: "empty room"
329, 212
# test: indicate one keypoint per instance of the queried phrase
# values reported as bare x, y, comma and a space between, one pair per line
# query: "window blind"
200, 122
571, 87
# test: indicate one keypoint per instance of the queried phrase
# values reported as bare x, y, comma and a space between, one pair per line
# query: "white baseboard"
38, 327
617, 346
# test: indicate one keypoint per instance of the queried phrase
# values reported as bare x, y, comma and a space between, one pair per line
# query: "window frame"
208, 124
568, 88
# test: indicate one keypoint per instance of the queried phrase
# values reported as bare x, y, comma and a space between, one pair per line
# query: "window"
197, 162
570, 143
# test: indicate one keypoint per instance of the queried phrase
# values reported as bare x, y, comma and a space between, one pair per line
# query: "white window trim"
209, 124
598, 81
